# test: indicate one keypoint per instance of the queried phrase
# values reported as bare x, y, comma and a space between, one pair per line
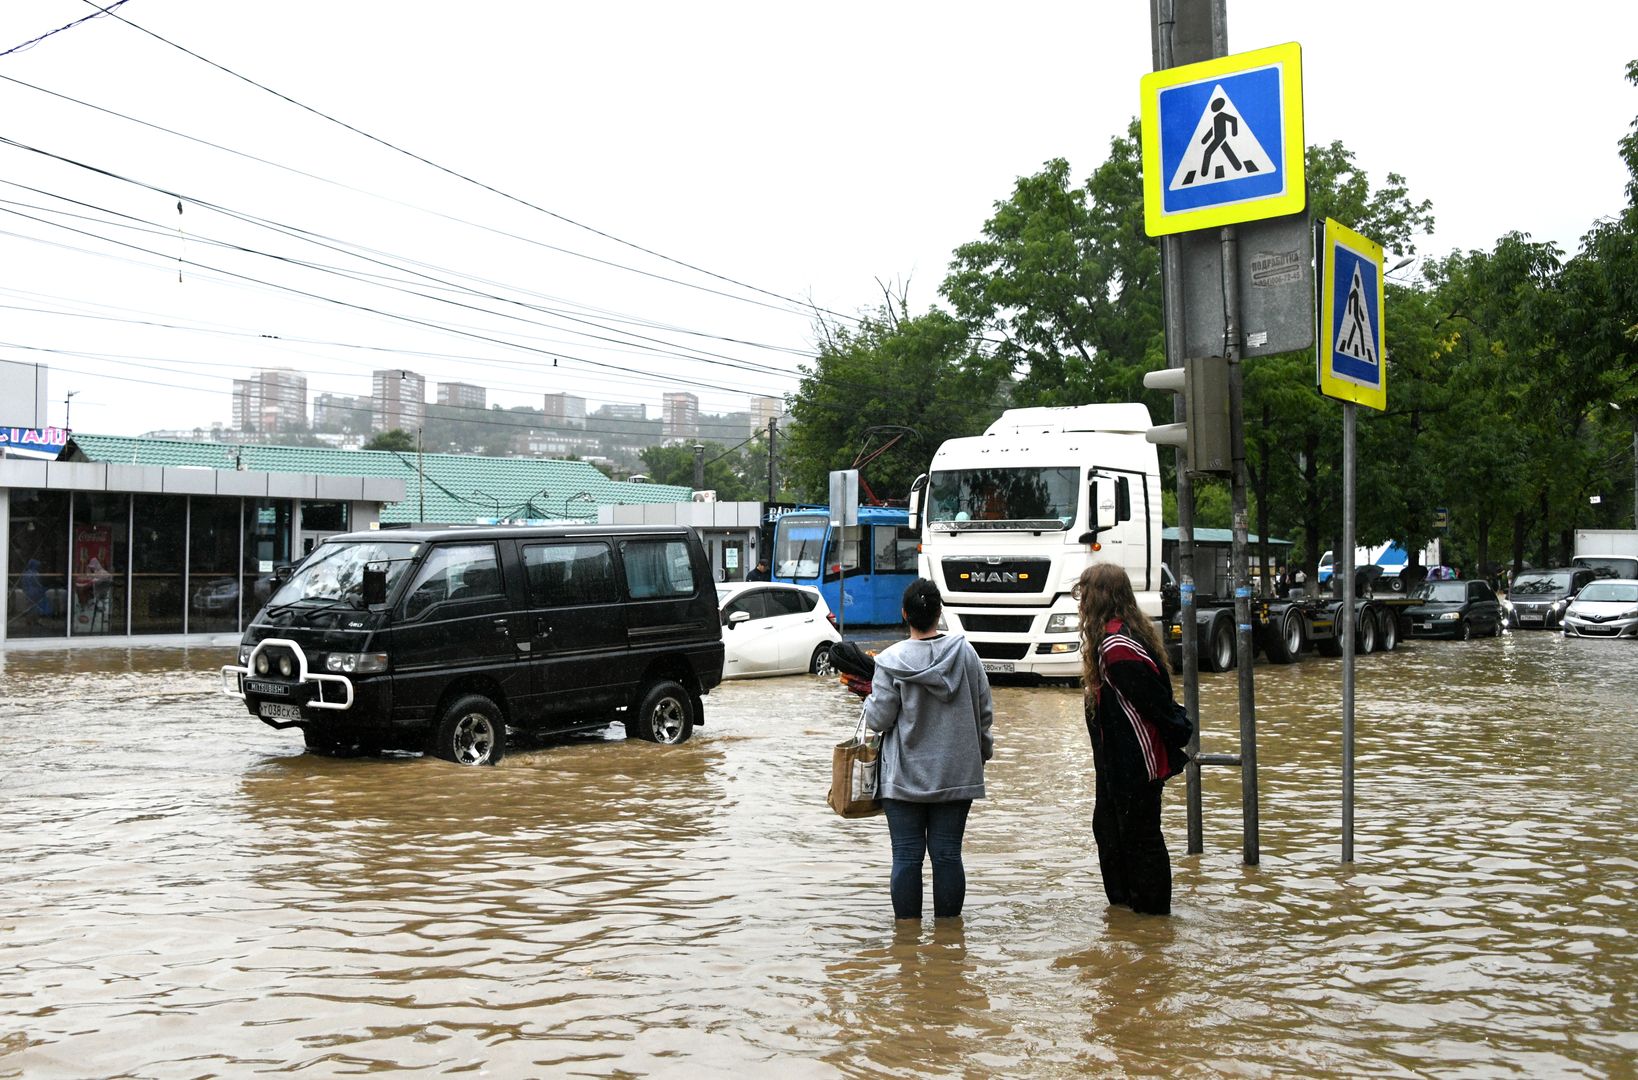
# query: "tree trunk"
1546, 536
1518, 542
1311, 510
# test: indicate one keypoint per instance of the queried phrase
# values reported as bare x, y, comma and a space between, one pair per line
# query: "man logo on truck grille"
995, 577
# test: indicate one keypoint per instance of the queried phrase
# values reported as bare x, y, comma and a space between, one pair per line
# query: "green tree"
924, 372
1066, 283
736, 474
396, 439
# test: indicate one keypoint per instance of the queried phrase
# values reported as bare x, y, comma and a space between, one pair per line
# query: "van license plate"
998, 665
273, 710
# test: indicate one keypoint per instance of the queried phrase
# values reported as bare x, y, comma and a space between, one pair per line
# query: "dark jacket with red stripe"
1135, 690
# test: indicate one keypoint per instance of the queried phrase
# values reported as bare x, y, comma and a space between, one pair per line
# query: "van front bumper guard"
233, 676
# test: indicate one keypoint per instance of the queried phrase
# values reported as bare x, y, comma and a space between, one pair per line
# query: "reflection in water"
184, 893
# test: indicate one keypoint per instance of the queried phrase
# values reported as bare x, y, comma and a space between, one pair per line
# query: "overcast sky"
672, 182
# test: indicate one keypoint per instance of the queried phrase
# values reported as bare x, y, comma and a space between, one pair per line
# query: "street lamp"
494, 501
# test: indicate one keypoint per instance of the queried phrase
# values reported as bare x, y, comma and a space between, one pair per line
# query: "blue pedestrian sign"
1351, 364
1223, 141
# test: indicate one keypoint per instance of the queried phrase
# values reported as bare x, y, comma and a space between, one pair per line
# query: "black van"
437, 639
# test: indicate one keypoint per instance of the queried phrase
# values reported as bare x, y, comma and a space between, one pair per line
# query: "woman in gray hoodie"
930, 700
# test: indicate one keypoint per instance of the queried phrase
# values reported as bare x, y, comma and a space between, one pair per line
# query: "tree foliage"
396, 439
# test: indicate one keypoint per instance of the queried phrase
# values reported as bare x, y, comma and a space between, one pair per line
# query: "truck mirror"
375, 586
1094, 522
917, 489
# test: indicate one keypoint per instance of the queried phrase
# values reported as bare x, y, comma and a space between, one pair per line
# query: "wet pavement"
185, 893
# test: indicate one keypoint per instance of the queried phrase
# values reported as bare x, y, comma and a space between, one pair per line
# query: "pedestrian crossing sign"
1351, 365
1223, 141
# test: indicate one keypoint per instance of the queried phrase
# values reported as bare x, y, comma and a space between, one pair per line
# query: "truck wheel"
471, 732
1397, 583
664, 715
1285, 644
1219, 651
1388, 630
1365, 634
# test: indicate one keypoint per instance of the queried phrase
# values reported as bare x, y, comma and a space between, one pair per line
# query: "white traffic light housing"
1203, 437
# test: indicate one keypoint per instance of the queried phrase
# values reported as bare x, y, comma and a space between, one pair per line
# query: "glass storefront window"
159, 538
37, 574
267, 547
99, 552
213, 566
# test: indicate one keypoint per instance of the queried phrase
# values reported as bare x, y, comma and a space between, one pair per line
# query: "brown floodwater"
185, 893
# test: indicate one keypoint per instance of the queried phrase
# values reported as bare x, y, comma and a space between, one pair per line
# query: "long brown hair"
1105, 593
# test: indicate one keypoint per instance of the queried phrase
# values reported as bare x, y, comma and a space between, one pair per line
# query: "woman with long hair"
1138, 733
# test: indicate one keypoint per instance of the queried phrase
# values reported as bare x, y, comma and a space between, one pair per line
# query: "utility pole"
69, 401
699, 466
773, 482
421, 472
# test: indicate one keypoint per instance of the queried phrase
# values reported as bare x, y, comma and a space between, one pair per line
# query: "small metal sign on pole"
1351, 369
844, 515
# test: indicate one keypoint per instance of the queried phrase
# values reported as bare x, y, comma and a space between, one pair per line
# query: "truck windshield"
1036, 499
334, 574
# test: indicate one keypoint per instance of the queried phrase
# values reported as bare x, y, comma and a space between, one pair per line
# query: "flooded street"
185, 893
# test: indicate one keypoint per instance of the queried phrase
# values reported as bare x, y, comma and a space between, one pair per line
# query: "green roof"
1220, 536
459, 487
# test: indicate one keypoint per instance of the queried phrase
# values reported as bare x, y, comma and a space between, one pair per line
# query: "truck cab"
1009, 520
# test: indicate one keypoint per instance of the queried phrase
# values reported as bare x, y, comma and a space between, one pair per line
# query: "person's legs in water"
1106, 833
907, 828
946, 824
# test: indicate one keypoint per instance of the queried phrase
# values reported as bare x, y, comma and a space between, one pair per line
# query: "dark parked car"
1455, 609
441, 639
1539, 597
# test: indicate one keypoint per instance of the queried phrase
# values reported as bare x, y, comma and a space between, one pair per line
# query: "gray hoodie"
930, 699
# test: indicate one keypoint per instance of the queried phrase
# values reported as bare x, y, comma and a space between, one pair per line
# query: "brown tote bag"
855, 769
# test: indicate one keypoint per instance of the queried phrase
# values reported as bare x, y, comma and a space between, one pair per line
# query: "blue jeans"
917, 828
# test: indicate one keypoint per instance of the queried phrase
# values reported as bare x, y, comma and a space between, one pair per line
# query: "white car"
1607, 607
771, 628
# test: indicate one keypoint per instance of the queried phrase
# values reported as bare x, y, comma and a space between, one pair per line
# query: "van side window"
895, 548
657, 569
569, 575
466, 572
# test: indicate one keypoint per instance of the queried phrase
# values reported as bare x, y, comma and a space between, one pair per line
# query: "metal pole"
1346, 614
1202, 28
1241, 557
421, 471
773, 429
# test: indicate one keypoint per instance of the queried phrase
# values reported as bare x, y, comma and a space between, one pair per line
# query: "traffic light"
1203, 437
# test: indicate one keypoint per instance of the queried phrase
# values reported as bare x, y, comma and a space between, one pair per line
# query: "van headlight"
356, 663
261, 664
287, 667
1450, 616
1065, 622
244, 655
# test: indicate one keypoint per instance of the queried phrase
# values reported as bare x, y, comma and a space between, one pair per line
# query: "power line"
35, 41
464, 177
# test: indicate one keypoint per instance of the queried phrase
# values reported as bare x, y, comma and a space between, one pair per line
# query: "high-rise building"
463, 395
398, 399
272, 400
764, 409
612, 411
680, 416
565, 410
340, 412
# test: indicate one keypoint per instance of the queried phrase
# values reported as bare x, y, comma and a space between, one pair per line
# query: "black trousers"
1137, 870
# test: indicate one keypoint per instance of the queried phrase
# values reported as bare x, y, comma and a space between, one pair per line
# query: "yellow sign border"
1295, 196
1331, 384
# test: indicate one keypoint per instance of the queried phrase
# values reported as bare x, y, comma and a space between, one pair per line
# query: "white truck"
1610, 552
1010, 518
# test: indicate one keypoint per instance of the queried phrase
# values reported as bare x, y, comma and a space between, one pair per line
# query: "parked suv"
439, 639
1539, 597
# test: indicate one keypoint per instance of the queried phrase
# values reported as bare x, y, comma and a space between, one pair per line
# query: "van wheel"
665, 714
1387, 634
820, 664
320, 741
1463, 630
472, 732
